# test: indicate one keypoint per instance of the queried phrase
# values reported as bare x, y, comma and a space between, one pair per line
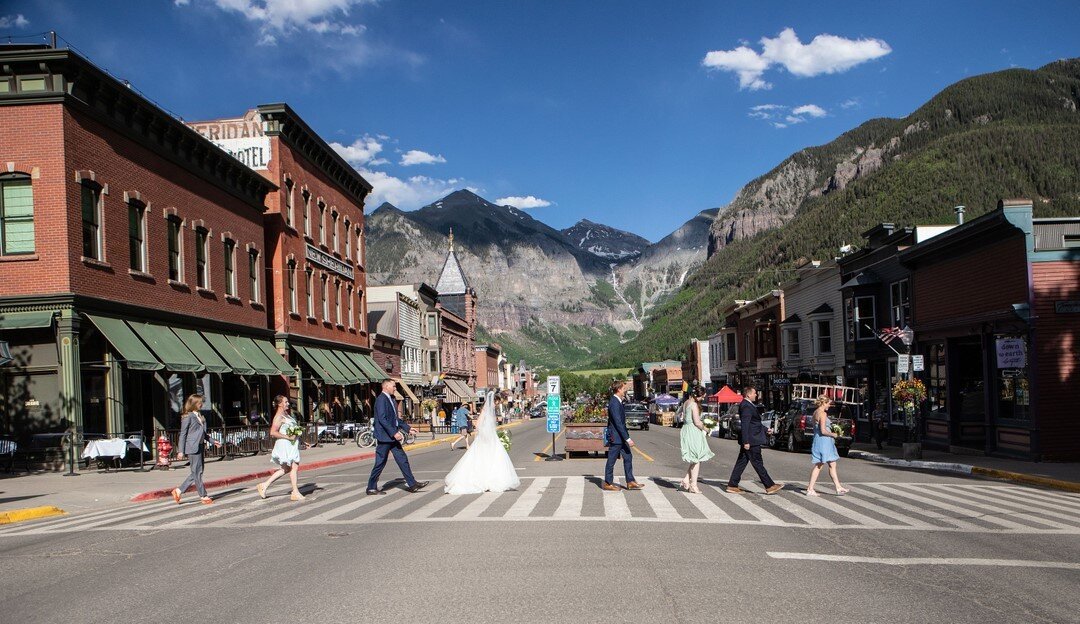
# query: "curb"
262, 474
966, 469
31, 513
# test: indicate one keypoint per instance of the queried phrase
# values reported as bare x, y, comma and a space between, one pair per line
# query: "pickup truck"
637, 415
795, 429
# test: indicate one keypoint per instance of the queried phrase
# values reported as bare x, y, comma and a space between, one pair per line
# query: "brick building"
457, 306
314, 240
131, 258
487, 367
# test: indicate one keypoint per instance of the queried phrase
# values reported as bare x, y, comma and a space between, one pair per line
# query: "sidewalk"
1057, 475
94, 489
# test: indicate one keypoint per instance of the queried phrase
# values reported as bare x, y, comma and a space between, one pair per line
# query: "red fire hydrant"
164, 448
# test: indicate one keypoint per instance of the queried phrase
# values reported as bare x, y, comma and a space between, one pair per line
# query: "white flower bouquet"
506, 439
293, 430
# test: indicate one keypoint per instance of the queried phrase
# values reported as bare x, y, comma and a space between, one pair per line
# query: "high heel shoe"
261, 488
296, 496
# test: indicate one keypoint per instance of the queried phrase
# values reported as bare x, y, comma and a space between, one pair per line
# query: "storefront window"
1013, 391
937, 394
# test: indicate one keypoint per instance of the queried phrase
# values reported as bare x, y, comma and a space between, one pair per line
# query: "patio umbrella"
665, 399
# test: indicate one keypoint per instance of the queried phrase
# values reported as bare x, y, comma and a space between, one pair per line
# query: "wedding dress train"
485, 466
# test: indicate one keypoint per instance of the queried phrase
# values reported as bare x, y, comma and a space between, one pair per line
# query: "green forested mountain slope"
1014, 133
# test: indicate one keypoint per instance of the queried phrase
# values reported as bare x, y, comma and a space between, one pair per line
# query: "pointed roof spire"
452, 279
451, 240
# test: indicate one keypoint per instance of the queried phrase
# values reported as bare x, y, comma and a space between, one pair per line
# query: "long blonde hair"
193, 403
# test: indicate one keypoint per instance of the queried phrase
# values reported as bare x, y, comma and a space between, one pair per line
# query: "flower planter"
584, 438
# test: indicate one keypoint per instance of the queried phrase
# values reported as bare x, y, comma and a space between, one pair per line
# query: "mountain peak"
385, 207
605, 241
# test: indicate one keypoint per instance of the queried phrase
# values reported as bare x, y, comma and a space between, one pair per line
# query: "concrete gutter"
969, 470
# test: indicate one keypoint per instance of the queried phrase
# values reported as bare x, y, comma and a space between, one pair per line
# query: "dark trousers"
195, 478
613, 454
750, 456
382, 449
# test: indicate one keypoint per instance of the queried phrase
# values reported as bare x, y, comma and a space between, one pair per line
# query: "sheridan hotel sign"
244, 138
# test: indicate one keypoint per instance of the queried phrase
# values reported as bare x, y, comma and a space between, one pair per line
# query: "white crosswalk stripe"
974, 508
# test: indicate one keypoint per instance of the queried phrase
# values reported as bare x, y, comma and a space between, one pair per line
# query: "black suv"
637, 415
795, 430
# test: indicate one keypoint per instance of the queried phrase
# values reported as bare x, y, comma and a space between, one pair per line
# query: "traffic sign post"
554, 413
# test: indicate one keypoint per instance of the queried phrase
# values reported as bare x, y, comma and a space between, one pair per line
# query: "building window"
322, 223
137, 236
310, 294
822, 338
175, 255
307, 212
791, 343
348, 242
16, 215
253, 274
91, 220
432, 326
732, 342
289, 202
361, 321
900, 298
746, 344
351, 312
325, 299
291, 276
337, 302
230, 268
766, 341
937, 395
865, 318
334, 232
202, 267
360, 247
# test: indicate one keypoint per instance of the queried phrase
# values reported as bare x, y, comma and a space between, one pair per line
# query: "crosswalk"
964, 507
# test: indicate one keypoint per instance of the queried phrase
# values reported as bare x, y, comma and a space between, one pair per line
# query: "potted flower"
909, 395
586, 428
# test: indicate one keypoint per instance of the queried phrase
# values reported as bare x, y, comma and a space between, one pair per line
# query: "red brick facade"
1056, 347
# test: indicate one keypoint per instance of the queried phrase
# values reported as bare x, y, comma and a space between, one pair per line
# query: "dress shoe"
774, 488
176, 495
206, 500
416, 487
634, 485
610, 487
734, 489
375, 492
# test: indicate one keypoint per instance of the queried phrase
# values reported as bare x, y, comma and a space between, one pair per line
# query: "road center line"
907, 561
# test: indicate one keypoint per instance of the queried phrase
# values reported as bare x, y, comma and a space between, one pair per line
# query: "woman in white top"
286, 453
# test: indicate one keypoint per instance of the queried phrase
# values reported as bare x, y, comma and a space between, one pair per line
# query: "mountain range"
591, 294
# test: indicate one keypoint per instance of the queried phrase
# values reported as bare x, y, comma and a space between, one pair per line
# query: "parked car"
796, 428
637, 415
724, 423
768, 420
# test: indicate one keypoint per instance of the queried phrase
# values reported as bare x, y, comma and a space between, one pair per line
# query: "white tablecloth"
114, 447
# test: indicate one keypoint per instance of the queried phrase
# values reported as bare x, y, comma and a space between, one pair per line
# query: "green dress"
695, 445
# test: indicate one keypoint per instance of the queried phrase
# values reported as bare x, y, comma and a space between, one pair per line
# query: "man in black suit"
388, 435
618, 441
752, 437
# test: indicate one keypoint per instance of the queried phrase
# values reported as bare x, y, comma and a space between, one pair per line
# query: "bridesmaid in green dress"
694, 440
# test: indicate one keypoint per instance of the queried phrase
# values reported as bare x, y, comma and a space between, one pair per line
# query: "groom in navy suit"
388, 428
618, 441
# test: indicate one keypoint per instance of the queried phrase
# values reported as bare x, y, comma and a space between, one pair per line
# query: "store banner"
1011, 353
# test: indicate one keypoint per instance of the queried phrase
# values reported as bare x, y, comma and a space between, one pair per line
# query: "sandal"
296, 496
261, 488
842, 491
206, 500
812, 493
695, 490
176, 495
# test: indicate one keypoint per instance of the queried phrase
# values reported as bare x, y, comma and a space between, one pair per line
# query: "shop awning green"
228, 353
347, 365
135, 354
272, 354
329, 364
318, 366
167, 347
344, 372
254, 355
201, 349
26, 320
370, 368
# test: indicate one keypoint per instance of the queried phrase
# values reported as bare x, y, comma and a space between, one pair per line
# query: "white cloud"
767, 107
361, 152
406, 193
812, 110
276, 18
850, 103
418, 157
14, 21
825, 54
523, 203
181, 3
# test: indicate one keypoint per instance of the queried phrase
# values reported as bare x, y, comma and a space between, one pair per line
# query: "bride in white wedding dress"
485, 466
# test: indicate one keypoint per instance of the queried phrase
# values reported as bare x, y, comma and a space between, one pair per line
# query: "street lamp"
907, 335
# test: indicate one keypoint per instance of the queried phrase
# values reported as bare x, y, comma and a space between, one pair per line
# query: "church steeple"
451, 240
452, 279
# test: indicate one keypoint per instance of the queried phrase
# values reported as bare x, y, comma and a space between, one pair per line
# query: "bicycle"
365, 437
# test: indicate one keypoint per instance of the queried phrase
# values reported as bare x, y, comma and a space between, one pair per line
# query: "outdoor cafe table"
112, 447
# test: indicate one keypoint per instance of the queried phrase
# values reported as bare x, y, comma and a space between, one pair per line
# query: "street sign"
554, 413
917, 363
554, 385
839, 380
903, 364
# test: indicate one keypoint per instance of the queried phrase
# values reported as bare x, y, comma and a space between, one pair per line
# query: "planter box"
584, 437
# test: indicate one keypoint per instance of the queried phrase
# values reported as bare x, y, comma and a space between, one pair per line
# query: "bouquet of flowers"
293, 430
709, 423
837, 429
506, 439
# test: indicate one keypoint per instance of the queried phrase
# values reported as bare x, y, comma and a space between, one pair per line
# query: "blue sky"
612, 111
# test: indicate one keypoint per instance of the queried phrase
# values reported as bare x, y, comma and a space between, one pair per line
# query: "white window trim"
859, 324
309, 292
229, 249
892, 303
255, 296
816, 337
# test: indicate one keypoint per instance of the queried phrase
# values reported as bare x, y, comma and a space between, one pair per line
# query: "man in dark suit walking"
618, 441
388, 434
752, 437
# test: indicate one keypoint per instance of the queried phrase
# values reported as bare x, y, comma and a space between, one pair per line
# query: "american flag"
888, 334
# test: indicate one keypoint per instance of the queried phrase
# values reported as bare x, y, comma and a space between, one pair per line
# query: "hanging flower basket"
909, 395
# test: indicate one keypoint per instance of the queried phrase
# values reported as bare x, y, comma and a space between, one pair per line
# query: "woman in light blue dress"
693, 440
823, 450
286, 452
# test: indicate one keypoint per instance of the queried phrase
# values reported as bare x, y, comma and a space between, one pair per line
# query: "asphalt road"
902, 547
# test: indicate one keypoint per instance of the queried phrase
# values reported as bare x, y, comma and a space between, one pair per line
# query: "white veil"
486, 466
486, 426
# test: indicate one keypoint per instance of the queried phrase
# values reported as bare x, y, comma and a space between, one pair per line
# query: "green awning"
26, 320
135, 354
316, 365
254, 355
347, 364
326, 361
370, 368
344, 373
167, 347
272, 354
228, 353
202, 350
